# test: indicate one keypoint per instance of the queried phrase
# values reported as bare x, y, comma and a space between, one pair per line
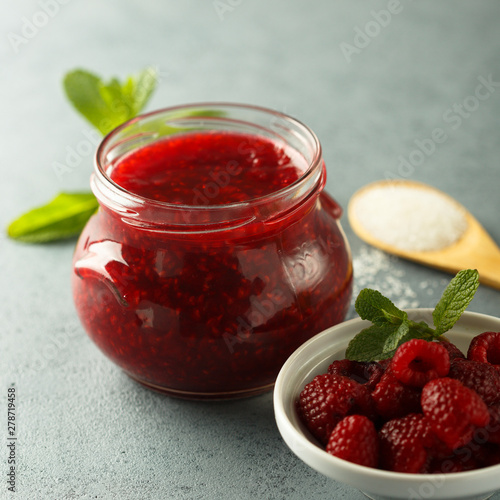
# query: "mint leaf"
393, 342
63, 217
107, 105
178, 121
422, 330
455, 299
370, 344
373, 306
83, 90
141, 88
104, 105
391, 326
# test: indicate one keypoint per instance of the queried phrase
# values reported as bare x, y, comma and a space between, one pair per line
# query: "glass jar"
208, 299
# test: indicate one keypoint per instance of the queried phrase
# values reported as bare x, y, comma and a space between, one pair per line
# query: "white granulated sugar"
410, 218
375, 269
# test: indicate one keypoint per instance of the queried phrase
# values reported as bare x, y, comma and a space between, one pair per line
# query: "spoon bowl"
474, 249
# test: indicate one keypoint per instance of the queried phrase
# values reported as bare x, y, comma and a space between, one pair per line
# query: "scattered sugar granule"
375, 269
410, 218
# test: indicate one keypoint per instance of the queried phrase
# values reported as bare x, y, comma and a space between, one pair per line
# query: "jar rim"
132, 205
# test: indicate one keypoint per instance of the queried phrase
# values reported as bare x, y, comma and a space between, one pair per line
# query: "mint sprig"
392, 327
105, 105
373, 306
63, 217
109, 104
455, 300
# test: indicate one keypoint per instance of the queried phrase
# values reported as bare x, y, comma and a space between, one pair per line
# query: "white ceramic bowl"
313, 358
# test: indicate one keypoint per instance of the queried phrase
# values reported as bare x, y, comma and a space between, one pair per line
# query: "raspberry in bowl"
446, 480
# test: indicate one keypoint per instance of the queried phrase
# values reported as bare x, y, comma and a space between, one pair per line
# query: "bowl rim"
296, 440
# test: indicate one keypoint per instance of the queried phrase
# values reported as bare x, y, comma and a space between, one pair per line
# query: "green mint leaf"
370, 344
455, 299
179, 121
373, 306
104, 105
391, 326
84, 91
141, 88
107, 105
422, 330
65, 216
394, 340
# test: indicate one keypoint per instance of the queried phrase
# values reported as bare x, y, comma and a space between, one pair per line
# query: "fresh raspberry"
356, 440
491, 454
493, 427
384, 363
404, 442
453, 351
453, 411
469, 457
328, 399
418, 361
392, 399
439, 450
485, 348
481, 377
364, 373
460, 461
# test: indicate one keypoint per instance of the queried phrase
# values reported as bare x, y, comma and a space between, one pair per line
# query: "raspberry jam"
215, 252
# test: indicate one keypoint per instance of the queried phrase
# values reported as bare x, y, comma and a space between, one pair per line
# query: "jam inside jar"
215, 252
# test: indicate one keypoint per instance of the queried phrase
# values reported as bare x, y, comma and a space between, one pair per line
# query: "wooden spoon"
475, 249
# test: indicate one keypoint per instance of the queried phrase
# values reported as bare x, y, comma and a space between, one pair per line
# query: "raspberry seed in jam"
215, 252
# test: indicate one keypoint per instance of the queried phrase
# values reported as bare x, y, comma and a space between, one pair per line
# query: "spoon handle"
484, 256
477, 251
488, 266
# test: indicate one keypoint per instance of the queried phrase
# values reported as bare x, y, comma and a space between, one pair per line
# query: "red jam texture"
211, 314
208, 169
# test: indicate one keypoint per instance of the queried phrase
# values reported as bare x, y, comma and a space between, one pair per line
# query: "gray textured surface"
86, 430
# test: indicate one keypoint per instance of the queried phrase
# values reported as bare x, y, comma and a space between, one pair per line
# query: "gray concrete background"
84, 429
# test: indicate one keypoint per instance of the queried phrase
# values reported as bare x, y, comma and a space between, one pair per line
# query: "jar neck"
155, 215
